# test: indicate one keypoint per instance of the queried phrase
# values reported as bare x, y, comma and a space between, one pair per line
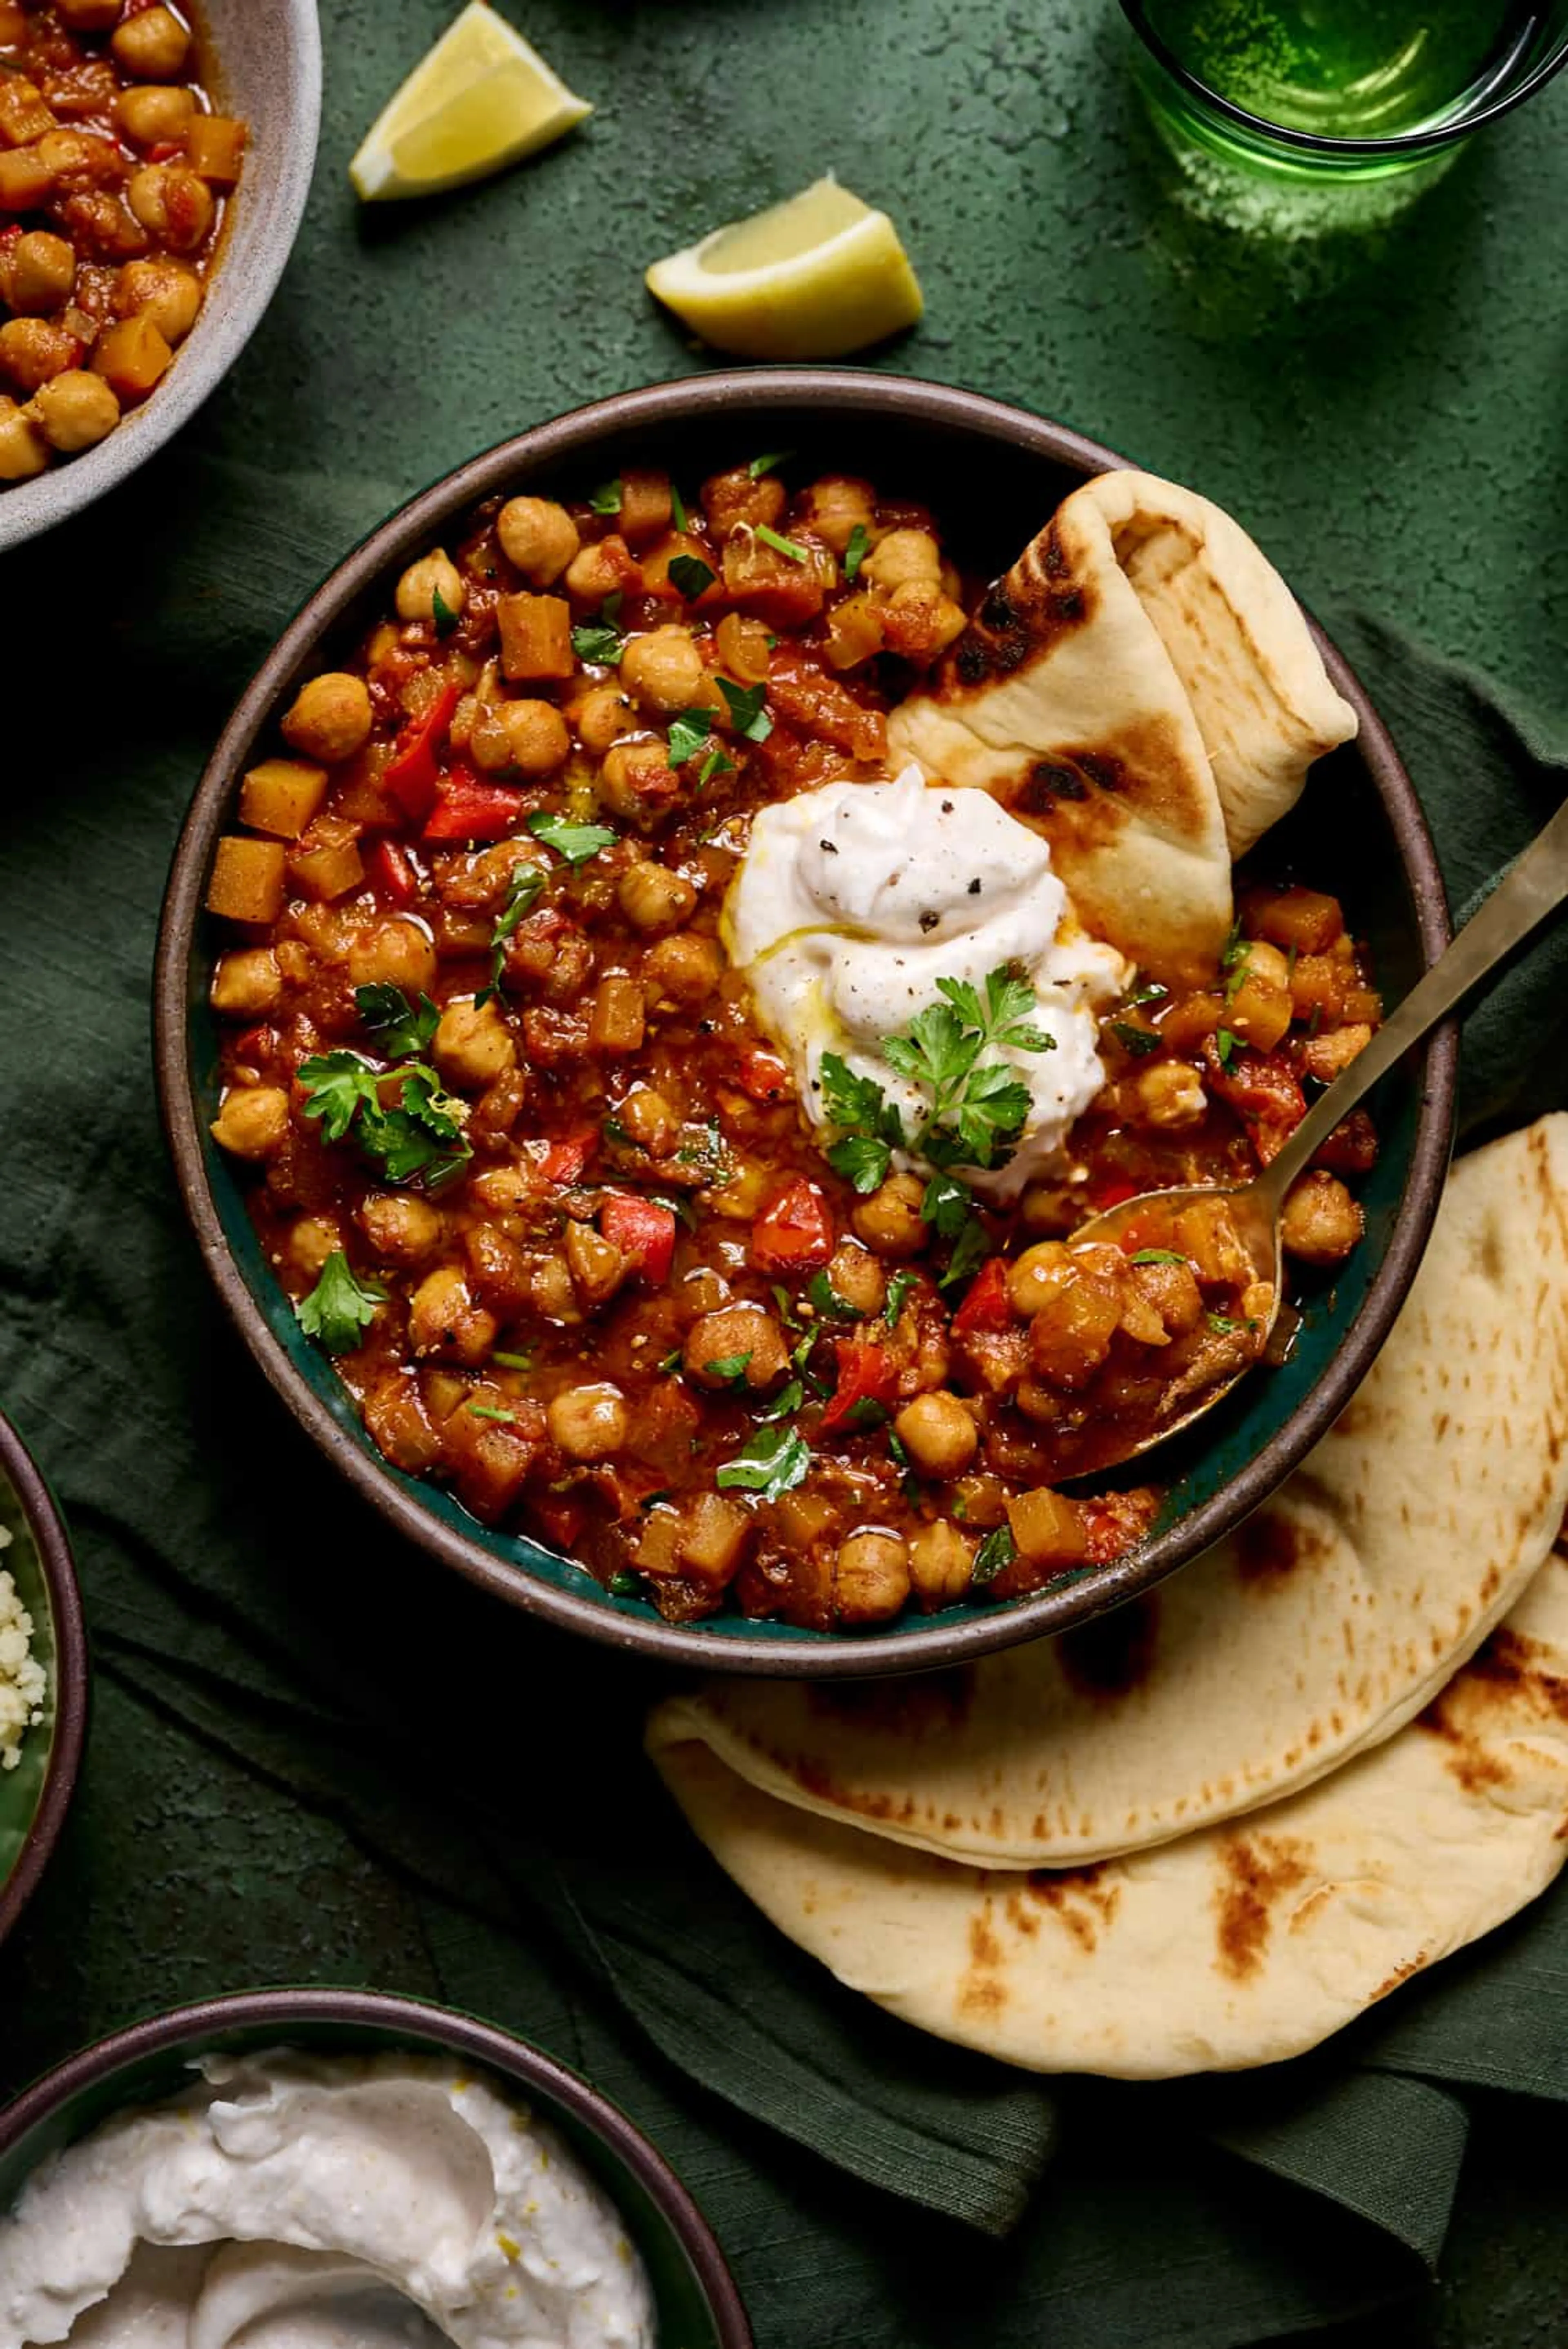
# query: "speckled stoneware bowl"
697, 2304
36, 1796
262, 58
993, 474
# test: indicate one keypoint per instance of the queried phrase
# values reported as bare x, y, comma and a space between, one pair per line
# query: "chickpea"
528, 736
891, 1221
601, 718
870, 1579
162, 290
634, 777
1169, 1095
1037, 1275
855, 1274
473, 1046
598, 569
834, 507
310, 1242
331, 717
153, 46
941, 1562
24, 451
735, 1332
649, 1119
596, 1264
399, 1227
253, 1122
42, 271
395, 953
664, 669
74, 410
433, 574
247, 983
589, 1422
686, 968
444, 1319
904, 558
171, 203
32, 349
153, 114
1320, 1223
939, 1435
653, 898
538, 536
919, 621
1172, 1291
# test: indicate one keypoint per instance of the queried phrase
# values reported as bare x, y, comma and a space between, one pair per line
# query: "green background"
1385, 412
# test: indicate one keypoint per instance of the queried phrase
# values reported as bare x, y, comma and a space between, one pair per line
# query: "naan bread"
1237, 1946
1329, 1619
1143, 687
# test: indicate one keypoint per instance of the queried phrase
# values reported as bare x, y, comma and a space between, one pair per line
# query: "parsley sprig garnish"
773, 1461
601, 640
575, 841
691, 575
526, 882
341, 1307
419, 1139
855, 553
399, 1028
747, 714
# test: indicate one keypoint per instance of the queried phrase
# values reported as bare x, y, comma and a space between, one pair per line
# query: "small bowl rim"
27, 509
488, 2043
70, 1673
725, 396
1391, 146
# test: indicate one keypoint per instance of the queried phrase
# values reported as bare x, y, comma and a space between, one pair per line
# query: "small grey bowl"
36, 1796
263, 58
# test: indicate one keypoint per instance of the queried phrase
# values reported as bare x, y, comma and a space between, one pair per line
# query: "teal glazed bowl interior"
36, 1796
993, 474
697, 2303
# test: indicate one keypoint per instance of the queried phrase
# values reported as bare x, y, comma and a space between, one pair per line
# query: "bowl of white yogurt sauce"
339, 2169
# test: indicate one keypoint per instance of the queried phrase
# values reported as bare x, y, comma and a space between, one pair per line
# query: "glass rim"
1392, 143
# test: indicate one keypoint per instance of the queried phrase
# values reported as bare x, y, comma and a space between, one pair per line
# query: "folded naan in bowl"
1144, 689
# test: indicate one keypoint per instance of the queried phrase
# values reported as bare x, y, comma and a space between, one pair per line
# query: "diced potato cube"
248, 882
855, 631
1303, 918
715, 1540
1318, 985
327, 864
281, 796
1206, 1233
646, 506
131, 355
1259, 1013
215, 147
535, 637
1071, 1333
247, 983
617, 1020
26, 179
1047, 1529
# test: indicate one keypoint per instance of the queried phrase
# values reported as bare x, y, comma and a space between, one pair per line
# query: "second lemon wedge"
813, 278
482, 99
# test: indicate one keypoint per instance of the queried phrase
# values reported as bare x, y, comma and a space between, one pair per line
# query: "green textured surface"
282, 1750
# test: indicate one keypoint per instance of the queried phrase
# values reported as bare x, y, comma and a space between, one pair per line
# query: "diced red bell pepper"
794, 1231
466, 809
762, 1073
412, 776
165, 150
988, 1305
1110, 1191
867, 1375
391, 872
564, 1158
643, 1231
561, 1518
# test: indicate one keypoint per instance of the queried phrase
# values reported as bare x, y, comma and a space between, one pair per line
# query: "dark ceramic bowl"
993, 474
698, 2305
36, 1796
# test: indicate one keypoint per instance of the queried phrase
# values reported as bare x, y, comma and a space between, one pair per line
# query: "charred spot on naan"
1506, 1679
1081, 1898
982, 1991
1081, 797
1272, 1547
1259, 1873
1040, 601
933, 1705
1113, 1654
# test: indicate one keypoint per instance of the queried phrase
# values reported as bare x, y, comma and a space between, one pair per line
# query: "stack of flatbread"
1212, 1828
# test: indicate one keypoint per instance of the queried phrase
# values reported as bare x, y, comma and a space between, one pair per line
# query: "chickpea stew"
114, 175
534, 1174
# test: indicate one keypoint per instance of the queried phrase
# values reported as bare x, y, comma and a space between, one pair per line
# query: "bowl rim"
70, 1671
487, 2043
29, 507
724, 397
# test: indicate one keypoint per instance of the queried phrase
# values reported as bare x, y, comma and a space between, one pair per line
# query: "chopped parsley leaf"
716, 763
947, 1204
526, 882
1151, 991
575, 841
606, 499
785, 1405
672, 1361
601, 640
761, 465
677, 509
1226, 1326
773, 1461
730, 1368
791, 547
1227, 1043
746, 712
689, 730
624, 1584
484, 1411
823, 1294
970, 1248
1136, 1040
899, 1288
340, 1307
855, 553
691, 575
519, 1361
1157, 1256
399, 1028
997, 1550
441, 613
872, 1128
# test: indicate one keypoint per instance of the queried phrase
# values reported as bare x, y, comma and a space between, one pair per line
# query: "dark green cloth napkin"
315, 1757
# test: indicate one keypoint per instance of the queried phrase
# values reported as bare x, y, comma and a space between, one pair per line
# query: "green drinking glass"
1319, 90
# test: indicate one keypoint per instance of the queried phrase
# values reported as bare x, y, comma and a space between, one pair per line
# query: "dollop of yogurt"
853, 900
293, 2202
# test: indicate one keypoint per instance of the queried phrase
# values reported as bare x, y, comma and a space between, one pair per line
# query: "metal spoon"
1534, 887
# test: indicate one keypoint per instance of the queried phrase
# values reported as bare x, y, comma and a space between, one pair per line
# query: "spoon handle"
1534, 886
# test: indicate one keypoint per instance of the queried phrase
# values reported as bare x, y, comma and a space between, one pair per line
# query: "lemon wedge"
809, 279
480, 99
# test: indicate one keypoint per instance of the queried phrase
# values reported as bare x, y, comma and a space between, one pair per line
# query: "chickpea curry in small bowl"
686, 945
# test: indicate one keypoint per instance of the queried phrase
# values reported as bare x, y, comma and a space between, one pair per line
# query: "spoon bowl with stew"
1149, 1226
